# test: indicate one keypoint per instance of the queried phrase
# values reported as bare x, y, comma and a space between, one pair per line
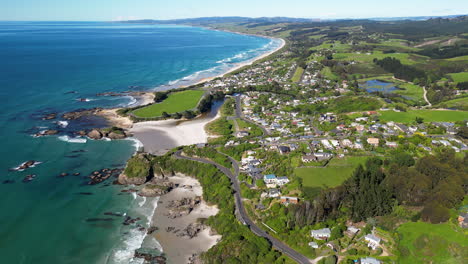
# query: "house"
269, 179
369, 260
353, 230
313, 245
326, 144
373, 141
273, 193
242, 134
463, 220
308, 158
289, 200
321, 234
391, 144
402, 128
346, 143
373, 241
282, 180
284, 149
320, 156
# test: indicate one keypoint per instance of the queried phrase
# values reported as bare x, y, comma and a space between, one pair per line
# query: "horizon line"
186, 18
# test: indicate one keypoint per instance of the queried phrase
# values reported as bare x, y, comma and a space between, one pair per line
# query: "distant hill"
217, 20
275, 20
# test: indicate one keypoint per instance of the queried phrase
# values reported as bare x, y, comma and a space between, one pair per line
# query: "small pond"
378, 86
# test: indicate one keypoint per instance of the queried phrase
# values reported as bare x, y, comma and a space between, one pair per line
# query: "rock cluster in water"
102, 175
149, 257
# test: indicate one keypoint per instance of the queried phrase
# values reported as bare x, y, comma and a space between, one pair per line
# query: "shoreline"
177, 247
115, 119
158, 137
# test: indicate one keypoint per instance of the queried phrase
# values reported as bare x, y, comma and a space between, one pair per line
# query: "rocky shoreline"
178, 223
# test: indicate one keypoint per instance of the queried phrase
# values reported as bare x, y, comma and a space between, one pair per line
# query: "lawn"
459, 77
459, 103
431, 243
336, 172
175, 102
327, 72
298, 74
254, 129
405, 58
428, 115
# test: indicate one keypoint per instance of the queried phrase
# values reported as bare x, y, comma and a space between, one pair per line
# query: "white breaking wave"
134, 239
72, 139
136, 144
17, 168
62, 124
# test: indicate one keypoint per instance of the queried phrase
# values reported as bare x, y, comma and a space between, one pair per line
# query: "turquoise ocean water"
45, 67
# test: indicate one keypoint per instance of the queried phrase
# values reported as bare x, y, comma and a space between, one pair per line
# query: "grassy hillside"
459, 77
428, 115
336, 172
428, 243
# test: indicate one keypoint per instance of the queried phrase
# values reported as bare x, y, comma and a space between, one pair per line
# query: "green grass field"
254, 129
327, 72
405, 58
297, 75
175, 102
459, 77
428, 243
460, 58
428, 115
459, 103
336, 172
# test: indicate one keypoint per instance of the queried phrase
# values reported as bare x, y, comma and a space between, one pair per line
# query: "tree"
419, 120
337, 232
435, 213
188, 114
160, 96
403, 159
463, 132
177, 115
165, 114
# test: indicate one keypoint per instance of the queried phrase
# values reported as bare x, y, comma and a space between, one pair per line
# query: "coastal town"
301, 139
346, 142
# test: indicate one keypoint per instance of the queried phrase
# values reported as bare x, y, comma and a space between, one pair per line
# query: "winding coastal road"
240, 209
241, 116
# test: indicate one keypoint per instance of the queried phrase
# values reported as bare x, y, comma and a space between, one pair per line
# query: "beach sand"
158, 137
179, 249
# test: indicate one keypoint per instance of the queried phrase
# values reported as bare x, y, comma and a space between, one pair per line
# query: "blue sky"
105, 10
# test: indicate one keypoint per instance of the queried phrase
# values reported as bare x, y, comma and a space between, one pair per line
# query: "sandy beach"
243, 64
158, 137
178, 249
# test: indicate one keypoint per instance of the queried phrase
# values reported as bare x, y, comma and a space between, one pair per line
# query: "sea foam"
72, 139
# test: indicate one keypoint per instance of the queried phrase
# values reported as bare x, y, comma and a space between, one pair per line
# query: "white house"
373, 241
282, 180
323, 233
273, 193
269, 179
313, 245
353, 230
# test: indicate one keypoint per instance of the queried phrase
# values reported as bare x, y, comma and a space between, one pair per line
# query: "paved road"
240, 209
241, 116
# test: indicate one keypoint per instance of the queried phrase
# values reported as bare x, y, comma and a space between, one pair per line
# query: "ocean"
47, 67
